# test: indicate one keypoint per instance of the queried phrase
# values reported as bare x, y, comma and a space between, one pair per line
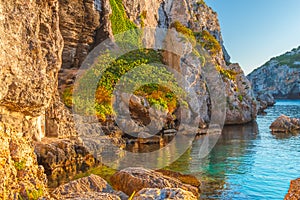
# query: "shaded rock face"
294, 191
31, 48
278, 78
134, 179
91, 187
165, 193
264, 101
82, 27
285, 124
62, 159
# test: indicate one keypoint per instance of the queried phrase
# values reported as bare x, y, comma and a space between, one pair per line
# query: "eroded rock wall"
31, 47
83, 25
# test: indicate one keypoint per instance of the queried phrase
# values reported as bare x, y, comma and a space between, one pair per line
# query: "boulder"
134, 179
285, 124
294, 191
90, 196
165, 193
91, 187
62, 159
184, 178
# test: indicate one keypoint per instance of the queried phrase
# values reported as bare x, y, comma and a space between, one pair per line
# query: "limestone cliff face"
279, 76
83, 24
241, 105
31, 47
31, 44
91, 24
162, 13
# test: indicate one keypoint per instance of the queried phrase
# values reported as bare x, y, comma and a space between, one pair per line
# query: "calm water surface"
248, 162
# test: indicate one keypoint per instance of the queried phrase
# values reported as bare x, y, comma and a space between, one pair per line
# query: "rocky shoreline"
137, 183
43, 44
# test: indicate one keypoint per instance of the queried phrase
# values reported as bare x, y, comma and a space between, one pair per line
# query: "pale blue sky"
256, 30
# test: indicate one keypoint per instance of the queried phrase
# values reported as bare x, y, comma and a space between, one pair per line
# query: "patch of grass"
20, 165
125, 31
286, 59
119, 20
103, 171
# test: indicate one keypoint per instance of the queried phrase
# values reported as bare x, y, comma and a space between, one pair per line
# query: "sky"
256, 30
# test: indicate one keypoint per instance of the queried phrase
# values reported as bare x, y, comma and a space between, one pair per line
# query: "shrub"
230, 74
208, 42
35, 194
156, 93
240, 97
201, 2
119, 20
185, 31
67, 97
20, 165
143, 16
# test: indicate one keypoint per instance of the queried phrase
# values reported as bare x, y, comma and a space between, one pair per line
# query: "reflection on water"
248, 162
226, 157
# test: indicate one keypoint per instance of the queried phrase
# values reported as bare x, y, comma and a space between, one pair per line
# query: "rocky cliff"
31, 47
32, 34
94, 23
279, 76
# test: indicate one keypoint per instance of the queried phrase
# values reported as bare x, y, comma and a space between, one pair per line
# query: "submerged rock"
285, 124
165, 193
134, 179
294, 191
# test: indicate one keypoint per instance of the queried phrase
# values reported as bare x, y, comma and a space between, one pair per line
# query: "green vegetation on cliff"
143, 62
291, 59
119, 20
208, 42
230, 74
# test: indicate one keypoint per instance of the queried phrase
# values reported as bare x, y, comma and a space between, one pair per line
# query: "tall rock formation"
93, 23
32, 52
31, 48
279, 76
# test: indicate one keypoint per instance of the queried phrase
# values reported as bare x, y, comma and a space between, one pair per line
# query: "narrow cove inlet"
149, 100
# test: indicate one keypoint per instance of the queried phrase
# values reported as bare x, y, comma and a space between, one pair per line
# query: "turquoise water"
248, 162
